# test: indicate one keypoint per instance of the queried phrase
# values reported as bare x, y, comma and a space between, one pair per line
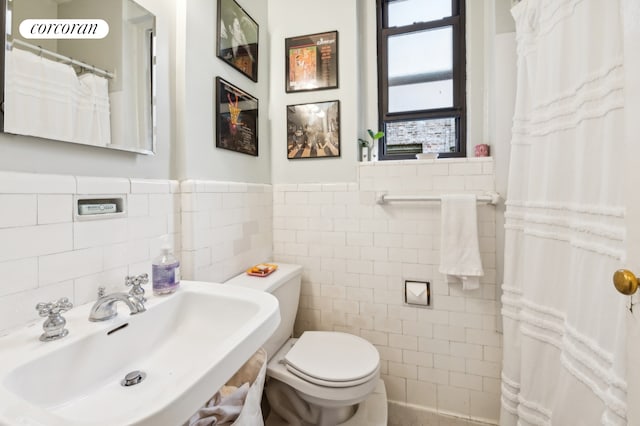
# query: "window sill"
433, 161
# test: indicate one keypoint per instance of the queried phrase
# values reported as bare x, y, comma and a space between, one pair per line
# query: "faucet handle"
101, 291
136, 283
54, 325
54, 308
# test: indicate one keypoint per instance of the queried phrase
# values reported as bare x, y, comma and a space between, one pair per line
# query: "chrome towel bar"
382, 198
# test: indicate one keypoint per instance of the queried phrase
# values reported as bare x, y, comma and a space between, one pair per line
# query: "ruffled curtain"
564, 329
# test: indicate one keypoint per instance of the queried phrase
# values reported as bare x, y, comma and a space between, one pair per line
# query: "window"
421, 68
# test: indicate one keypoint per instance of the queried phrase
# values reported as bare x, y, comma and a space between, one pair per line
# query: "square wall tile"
453, 400
54, 208
72, 264
30, 241
149, 186
99, 185
19, 308
18, 210
32, 183
18, 275
97, 233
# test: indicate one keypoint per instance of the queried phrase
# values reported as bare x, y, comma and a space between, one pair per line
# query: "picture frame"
313, 130
236, 119
237, 38
311, 62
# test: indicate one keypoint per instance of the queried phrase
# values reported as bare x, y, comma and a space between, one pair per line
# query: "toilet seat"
330, 384
333, 359
327, 396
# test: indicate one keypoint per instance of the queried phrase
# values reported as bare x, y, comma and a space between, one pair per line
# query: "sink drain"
133, 378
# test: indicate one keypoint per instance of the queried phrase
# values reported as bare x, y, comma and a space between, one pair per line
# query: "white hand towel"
459, 248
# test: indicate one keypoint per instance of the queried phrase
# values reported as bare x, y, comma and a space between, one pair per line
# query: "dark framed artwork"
236, 119
311, 62
313, 130
237, 38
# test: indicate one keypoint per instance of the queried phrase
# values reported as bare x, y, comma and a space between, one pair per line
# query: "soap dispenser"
165, 271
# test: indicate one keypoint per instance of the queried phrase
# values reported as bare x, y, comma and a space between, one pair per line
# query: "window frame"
458, 111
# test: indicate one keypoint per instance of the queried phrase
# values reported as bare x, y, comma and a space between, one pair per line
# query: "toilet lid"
326, 357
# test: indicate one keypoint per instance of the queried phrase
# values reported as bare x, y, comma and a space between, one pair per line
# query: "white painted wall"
503, 104
478, 23
196, 69
27, 154
500, 84
294, 18
504, 20
187, 67
356, 24
368, 84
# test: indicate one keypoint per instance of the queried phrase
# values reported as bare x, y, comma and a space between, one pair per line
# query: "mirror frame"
7, 5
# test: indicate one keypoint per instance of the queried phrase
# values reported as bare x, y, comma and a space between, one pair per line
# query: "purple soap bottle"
165, 272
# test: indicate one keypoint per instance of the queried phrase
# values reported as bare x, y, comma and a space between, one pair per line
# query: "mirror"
97, 92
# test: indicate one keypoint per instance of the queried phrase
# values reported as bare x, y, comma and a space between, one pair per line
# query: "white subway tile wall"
217, 229
356, 255
45, 255
227, 227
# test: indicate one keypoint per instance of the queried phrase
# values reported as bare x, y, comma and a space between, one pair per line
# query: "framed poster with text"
311, 62
236, 119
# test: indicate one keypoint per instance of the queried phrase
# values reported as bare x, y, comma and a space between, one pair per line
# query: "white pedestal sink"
188, 344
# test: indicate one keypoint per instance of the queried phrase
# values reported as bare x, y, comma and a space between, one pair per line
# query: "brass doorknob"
625, 281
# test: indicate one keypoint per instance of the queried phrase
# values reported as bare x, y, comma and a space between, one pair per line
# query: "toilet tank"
284, 284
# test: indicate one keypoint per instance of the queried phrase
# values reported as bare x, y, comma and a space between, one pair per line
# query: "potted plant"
368, 145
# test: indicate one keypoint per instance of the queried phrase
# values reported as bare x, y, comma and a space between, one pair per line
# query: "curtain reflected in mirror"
96, 92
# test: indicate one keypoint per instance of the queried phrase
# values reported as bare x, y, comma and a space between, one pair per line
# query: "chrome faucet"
105, 307
55, 323
136, 283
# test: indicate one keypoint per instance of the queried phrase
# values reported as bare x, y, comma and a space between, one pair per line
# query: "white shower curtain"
564, 335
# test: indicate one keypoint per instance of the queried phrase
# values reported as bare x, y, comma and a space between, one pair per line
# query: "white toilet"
323, 377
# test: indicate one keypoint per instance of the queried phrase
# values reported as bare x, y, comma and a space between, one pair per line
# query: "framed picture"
313, 130
237, 38
236, 119
311, 62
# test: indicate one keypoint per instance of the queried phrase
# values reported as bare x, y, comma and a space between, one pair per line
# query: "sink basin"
188, 344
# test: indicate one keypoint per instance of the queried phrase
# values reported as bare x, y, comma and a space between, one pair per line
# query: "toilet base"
370, 412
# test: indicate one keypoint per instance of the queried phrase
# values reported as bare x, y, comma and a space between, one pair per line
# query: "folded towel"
224, 407
459, 248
